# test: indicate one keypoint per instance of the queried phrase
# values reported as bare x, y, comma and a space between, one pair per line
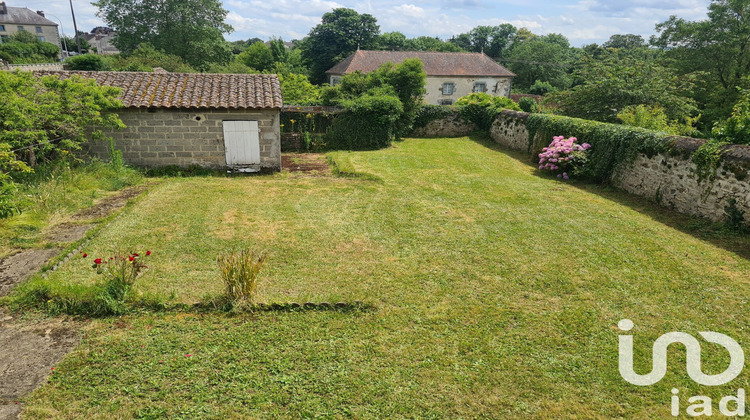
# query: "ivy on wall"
612, 145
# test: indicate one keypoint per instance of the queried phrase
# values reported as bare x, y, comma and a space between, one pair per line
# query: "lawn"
496, 293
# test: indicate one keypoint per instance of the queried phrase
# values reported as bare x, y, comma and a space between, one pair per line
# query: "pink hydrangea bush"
563, 156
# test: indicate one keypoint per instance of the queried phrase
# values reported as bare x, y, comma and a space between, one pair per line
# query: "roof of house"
435, 63
23, 16
188, 90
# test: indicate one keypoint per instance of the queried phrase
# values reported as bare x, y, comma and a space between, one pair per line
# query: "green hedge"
368, 123
611, 145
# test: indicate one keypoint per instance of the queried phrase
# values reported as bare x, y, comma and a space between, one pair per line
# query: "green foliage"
369, 122
734, 217
736, 129
146, 57
708, 158
612, 146
341, 32
24, 48
190, 29
72, 46
428, 113
235, 66
492, 40
297, 90
547, 58
481, 108
625, 41
257, 56
239, 271
610, 85
86, 62
717, 47
541, 88
654, 118
528, 104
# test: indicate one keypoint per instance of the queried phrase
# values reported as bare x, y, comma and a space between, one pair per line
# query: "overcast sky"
581, 21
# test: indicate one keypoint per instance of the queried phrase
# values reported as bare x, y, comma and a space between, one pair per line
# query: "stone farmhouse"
449, 75
210, 120
14, 19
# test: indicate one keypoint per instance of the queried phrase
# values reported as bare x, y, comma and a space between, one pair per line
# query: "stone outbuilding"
449, 75
185, 119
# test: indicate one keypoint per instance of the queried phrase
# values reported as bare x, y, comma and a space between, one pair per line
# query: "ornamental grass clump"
239, 271
563, 157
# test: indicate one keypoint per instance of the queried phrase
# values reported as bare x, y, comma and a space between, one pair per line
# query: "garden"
474, 284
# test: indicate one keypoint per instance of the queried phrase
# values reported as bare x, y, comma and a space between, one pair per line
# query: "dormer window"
448, 88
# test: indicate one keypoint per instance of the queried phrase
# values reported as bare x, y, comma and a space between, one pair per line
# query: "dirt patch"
68, 232
18, 267
109, 204
305, 162
28, 355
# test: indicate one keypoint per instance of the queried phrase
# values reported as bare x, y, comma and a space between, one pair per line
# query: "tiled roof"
435, 63
23, 16
188, 90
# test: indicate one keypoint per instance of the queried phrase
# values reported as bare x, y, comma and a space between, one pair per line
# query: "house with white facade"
449, 75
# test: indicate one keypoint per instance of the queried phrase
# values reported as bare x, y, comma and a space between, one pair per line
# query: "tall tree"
340, 33
719, 46
493, 40
545, 58
190, 29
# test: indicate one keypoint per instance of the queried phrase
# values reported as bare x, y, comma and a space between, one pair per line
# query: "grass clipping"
239, 271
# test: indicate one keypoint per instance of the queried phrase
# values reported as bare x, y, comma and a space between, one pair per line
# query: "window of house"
20, 28
39, 29
41, 38
2, 28
448, 88
445, 102
480, 87
335, 80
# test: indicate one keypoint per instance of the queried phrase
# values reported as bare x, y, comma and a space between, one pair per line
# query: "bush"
481, 108
239, 271
563, 157
654, 118
296, 89
429, 113
542, 88
528, 105
86, 62
369, 122
736, 129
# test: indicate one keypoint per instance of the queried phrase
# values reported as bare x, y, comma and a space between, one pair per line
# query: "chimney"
40, 13
3, 8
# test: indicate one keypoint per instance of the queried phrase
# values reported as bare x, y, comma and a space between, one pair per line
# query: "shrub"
654, 118
86, 62
120, 272
481, 108
736, 129
428, 113
239, 271
528, 105
542, 88
369, 122
563, 157
296, 89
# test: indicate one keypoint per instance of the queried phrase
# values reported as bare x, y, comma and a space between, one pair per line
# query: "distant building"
101, 38
14, 19
449, 75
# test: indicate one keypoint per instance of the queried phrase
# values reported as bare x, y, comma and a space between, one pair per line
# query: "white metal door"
242, 143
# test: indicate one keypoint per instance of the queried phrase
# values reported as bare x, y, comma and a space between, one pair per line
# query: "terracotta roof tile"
435, 63
188, 90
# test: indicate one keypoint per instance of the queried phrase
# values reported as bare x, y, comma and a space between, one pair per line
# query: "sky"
581, 21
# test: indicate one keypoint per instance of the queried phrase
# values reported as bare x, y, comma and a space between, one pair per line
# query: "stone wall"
450, 126
669, 179
162, 137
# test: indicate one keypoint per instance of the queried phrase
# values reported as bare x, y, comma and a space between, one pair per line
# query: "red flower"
135, 255
85, 255
98, 261
131, 258
148, 253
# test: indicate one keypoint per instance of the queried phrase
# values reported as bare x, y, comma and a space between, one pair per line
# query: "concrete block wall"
162, 137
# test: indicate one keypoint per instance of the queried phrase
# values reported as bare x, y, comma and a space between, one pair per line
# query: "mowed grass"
497, 294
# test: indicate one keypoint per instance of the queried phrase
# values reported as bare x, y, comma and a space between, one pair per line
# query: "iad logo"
702, 406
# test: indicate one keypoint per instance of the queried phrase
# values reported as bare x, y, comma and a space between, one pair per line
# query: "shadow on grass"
715, 233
